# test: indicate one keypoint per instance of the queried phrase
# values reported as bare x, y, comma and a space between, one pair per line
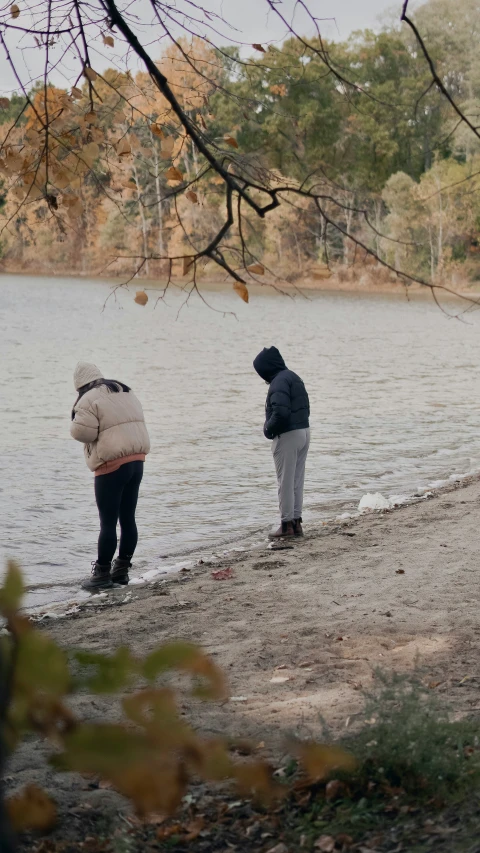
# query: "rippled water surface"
394, 387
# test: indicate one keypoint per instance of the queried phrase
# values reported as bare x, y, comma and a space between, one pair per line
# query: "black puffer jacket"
287, 407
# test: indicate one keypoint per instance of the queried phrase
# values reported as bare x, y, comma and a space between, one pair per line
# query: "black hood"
268, 363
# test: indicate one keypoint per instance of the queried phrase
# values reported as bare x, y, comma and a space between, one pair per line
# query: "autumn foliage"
301, 161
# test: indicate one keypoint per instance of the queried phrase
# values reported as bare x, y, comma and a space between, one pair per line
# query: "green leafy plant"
407, 757
411, 742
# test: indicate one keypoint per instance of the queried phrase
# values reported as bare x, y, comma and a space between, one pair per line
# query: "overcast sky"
252, 22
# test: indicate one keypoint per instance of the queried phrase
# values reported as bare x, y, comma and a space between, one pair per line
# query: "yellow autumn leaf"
230, 140
32, 809
319, 760
141, 297
74, 205
97, 134
259, 47
256, 269
90, 74
90, 117
192, 196
61, 179
173, 174
166, 147
135, 142
157, 130
123, 147
14, 11
76, 93
35, 193
90, 153
18, 193
108, 40
187, 264
242, 290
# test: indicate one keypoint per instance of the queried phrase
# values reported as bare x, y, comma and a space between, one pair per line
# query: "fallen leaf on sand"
306, 663
326, 843
400, 572
222, 574
281, 666
433, 684
279, 679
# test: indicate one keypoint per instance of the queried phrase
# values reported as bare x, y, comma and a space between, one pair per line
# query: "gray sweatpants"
290, 454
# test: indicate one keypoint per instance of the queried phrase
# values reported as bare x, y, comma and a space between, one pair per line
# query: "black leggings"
116, 495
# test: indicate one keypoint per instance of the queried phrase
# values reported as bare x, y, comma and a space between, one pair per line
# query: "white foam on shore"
153, 574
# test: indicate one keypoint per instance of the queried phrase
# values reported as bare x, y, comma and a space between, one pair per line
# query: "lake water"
395, 397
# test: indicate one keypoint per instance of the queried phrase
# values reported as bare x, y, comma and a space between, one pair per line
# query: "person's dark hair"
112, 384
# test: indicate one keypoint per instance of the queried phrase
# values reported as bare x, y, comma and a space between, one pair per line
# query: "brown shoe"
297, 527
285, 530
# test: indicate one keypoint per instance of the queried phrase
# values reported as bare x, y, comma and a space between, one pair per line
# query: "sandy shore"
367, 280
393, 590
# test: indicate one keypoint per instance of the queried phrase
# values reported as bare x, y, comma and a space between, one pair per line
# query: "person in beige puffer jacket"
108, 419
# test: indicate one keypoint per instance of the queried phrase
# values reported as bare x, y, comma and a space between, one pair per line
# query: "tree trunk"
348, 228
440, 229
158, 192
432, 255
323, 238
378, 226
299, 257
142, 219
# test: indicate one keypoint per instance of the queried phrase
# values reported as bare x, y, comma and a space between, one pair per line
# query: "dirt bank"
395, 590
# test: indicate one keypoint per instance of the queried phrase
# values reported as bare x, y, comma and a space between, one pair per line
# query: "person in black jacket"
287, 424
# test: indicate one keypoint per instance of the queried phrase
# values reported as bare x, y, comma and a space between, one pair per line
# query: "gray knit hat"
84, 373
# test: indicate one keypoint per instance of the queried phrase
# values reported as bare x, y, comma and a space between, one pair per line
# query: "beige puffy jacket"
110, 425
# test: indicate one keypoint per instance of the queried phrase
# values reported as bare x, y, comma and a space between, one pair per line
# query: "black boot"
285, 530
297, 526
99, 579
120, 571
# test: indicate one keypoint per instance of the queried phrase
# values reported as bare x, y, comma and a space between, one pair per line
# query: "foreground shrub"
150, 757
